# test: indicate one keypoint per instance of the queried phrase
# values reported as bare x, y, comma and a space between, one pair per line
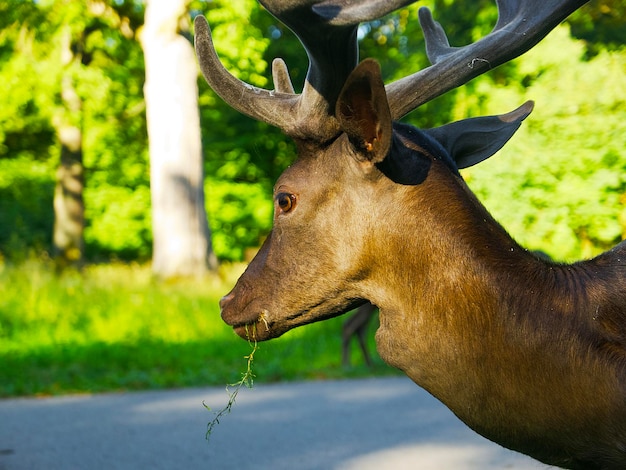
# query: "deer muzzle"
248, 320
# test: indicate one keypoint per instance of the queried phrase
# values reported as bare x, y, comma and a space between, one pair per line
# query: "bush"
26, 217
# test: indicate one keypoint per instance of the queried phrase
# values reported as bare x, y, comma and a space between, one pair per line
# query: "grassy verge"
113, 327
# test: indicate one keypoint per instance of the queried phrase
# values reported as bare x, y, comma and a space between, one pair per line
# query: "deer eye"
286, 201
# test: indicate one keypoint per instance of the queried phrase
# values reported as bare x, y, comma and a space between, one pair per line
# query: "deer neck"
449, 278
498, 335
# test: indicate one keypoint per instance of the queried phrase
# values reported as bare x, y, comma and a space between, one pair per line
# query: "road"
382, 423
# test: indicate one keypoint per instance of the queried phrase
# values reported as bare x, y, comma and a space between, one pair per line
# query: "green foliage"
119, 222
25, 115
560, 184
26, 189
601, 24
238, 40
114, 327
240, 215
109, 80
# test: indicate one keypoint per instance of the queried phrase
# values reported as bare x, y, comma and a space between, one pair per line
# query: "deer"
529, 353
356, 325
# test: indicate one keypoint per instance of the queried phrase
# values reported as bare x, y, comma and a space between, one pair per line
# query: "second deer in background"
356, 326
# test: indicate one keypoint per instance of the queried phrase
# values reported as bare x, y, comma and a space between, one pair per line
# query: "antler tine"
520, 26
264, 105
282, 80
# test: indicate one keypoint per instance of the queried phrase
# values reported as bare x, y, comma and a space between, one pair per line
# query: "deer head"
340, 230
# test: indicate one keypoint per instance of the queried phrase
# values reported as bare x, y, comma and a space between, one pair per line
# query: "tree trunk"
180, 229
69, 207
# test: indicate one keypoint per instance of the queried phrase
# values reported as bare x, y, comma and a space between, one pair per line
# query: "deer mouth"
247, 319
257, 330
252, 321
265, 327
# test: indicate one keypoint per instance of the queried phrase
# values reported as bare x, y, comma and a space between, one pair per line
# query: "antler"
520, 26
327, 30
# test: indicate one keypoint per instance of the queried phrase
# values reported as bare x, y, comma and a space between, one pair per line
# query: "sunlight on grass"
114, 326
104, 304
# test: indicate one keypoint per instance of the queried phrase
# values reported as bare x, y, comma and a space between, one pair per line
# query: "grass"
113, 327
247, 379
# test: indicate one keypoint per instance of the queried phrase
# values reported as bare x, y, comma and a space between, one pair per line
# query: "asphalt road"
386, 423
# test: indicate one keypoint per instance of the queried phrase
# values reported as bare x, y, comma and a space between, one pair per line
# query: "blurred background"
131, 196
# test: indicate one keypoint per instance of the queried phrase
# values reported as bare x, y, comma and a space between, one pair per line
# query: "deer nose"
226, 299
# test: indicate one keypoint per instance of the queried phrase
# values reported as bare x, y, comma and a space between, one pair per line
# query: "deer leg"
357, 325
360, 335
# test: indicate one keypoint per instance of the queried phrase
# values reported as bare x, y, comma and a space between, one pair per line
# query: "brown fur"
529, 353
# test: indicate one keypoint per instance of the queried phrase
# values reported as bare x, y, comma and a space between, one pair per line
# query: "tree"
72, 124
87, 32
69, 206
180, 229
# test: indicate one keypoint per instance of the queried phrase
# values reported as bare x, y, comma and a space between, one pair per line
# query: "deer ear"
363, 112
471, 141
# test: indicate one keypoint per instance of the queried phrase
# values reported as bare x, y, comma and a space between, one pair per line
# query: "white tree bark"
181, 234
